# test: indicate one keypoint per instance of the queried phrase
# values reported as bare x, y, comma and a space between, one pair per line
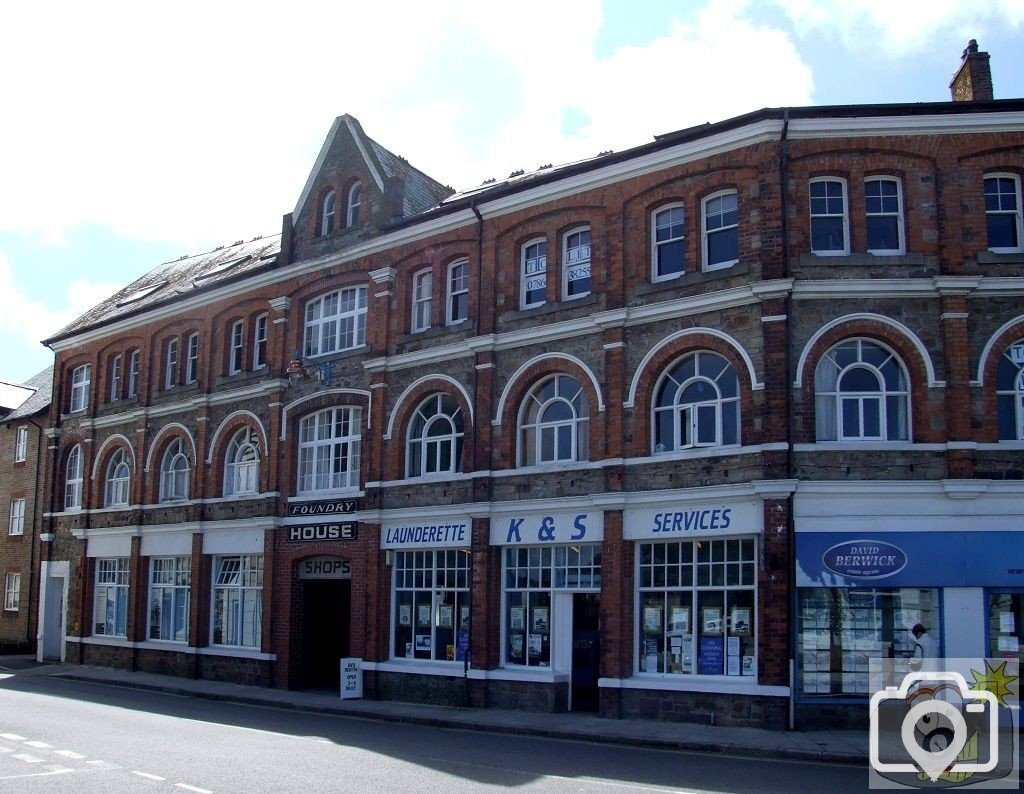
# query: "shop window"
133, 374
238, 601
668, 241
721, 230
839, 630
16, 526
169, 585
355, 200
115, 377
335, 322
861, 394
192, 362
829, 219
12, 592
554, 423
883, 204
458, 292
1003, 213
259, 348
576, 264
1006, 625
697, 607
435, 437
697, 404
21, 444
327, 213
111, 607
1010, 393
431, 597
175, 473
73, 470
242, 465
422, 293
118, 480
532, 573
534, 274
80, 379
329, 450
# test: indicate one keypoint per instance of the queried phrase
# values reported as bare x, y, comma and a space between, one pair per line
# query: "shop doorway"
326, 609
586, 651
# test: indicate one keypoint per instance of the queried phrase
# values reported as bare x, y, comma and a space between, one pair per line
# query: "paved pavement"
837, 746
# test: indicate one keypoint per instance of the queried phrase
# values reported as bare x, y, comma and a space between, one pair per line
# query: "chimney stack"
973, 80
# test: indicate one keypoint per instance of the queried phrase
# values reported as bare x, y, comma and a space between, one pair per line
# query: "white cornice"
937, 124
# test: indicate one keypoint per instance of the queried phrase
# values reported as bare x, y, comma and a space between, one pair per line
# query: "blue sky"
133, 136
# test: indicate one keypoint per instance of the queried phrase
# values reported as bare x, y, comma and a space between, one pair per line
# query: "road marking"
147, 775
61, 771
69, 754
38, 745
28, 759
193, 788
95, 762
12, 737
6, 750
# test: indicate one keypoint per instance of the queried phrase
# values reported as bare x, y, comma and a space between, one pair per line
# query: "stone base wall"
828, 715
168, 662
432, 689
707, 708
107, 656
250, 672
524, 696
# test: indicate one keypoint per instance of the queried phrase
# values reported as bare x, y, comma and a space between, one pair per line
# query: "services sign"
673, 522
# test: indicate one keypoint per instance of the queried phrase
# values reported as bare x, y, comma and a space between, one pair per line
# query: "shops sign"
325, 568
325, 507
300, 534
865, 559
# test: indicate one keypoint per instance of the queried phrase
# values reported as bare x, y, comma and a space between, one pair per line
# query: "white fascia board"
992, 286
937, 124
366, 157
865, 288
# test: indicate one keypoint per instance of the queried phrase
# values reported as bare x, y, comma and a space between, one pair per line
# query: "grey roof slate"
421, 192
42, 385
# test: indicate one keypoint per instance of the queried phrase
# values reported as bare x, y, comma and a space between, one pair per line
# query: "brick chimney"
973, 80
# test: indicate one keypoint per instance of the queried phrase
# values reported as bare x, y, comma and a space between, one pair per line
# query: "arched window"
118, 479
329, 447
327, 214
242, 464
175, 472
861, 394
355, 198
73, 479
697, 404
554, 423
435, 437
1010, 393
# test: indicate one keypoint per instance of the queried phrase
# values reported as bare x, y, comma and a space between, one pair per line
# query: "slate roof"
41, 386
421, 192
173, 280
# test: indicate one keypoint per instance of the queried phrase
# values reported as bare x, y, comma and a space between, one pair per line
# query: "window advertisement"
431, 604
1005, 629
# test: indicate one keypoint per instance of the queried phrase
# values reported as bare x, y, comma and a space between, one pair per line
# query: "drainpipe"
466, 661
35, 538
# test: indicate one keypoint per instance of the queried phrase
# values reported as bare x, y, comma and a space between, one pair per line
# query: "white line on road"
147, 775
193, 788
95, 762
13, 737
61, 771
69, 754
6, 750
28, 759
38, 745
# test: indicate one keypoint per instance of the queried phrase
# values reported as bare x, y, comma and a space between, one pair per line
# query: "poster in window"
408, 650
515, 646
423, 615
1006, 623
444, 616
711, 619
733, 646
404, 615
741, 621
464, 618
423, 642
748, 665
518, 618
652, 620
536, 643
732, 666
711, 658
680, 623
449, 652
540, 622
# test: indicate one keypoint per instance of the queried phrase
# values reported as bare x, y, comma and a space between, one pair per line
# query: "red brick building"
579, 439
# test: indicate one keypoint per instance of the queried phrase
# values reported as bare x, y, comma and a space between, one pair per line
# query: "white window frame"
171, 364
845, 215
1010, 391
657, 245
237, 599
81, 377
1014, 213
192, 362
12, 592
343, 329
21, 444
329, 463
259, 344
422, 299
576, 257
425, 446
242, 464
170, 582
432, 578
17, 522
530, 270
532, 435
133, 374
116, 377
707, 233
112, 583
327, 209
117, 486
237, 342
175, 473
690, 417
73, 477
830, 400
458, 292
355, 200
897, 213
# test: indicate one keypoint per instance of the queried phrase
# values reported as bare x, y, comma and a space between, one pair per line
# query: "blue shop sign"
584, 526
910, 559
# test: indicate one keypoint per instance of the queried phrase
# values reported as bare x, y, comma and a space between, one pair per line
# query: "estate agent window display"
431, 598
1006, 624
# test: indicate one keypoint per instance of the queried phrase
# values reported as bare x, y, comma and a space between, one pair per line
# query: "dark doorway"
325, 630
586, 650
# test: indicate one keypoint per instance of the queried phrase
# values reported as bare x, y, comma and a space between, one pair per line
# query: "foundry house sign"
324, 507
304, 533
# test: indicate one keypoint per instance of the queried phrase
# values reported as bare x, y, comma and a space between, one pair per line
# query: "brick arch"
1011, 332
911, 352
650, 372
401, 415
222, 437
525, 378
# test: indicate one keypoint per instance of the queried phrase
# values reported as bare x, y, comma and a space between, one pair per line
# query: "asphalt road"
58, 735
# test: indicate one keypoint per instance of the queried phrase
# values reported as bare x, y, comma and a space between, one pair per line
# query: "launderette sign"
427, 533
865, 559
